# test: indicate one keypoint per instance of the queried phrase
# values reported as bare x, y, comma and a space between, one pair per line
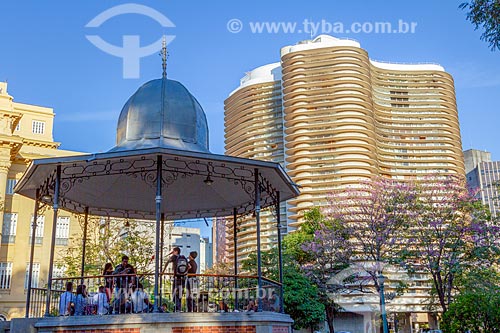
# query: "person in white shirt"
140, 299
67, 300
101, 300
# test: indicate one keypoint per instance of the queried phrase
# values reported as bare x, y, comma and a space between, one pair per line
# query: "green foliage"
474, 313
485, 14
292, 243
313, 220
301, 299
477, 308
300, 295
479, 280
107, 241
269, 262
318, 270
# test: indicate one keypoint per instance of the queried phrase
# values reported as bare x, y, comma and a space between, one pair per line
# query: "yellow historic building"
25, 134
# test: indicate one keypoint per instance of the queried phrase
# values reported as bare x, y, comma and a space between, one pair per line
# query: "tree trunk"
438, 284
330, 314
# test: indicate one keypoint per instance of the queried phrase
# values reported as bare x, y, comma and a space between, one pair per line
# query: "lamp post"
381, 280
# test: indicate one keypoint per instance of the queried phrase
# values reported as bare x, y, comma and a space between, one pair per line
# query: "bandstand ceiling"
123, 183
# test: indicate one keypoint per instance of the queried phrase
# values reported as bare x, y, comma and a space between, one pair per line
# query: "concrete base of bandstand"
231, 322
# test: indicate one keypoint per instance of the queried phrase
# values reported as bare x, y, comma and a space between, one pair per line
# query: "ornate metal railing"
123, 294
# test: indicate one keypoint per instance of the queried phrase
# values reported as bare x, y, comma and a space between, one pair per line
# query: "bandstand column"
84, 243
53, 239
158, 230
280, 253
162, 245
32, 252
235, 245
257, 222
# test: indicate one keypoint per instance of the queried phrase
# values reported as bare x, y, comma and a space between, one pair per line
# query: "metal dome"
162, 114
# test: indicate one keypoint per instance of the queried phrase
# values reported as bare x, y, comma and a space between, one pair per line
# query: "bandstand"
161, 169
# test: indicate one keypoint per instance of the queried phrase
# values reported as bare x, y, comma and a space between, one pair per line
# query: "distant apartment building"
26, 134
483, 174
187, 240
219, 240
206, 261
333, 117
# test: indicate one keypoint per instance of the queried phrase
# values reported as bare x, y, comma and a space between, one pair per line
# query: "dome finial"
164, 55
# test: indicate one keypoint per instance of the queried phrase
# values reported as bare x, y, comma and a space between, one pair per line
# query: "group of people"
129, 294
81, 304
122, 291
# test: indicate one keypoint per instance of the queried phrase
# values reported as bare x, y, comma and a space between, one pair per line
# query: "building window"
62, 230
9, 227
58, 272
5, 275
11, 183
38, 127
39, 229
34, 277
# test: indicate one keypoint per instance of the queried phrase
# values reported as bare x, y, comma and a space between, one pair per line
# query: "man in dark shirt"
176, 252
192, 281
178, 281
124, 280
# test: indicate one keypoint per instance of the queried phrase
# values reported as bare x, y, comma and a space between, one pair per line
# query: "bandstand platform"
231, 322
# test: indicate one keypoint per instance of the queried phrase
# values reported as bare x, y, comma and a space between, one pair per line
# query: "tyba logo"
131, 51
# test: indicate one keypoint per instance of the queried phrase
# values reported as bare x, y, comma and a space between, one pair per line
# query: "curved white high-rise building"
332, 116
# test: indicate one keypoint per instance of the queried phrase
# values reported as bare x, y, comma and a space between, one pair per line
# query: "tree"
454, 234
221, 268
474, 313
327, 256
477, 307
485, 14
300, 299
300, 295
107, 240
479, 279
363, 231
292, 243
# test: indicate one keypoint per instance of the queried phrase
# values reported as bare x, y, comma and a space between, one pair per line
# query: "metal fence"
124, 294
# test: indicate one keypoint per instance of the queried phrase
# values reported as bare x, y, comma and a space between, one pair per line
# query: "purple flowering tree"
453, 235
326, 255
363, 232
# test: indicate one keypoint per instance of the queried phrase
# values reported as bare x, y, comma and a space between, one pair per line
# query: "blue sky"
48, 61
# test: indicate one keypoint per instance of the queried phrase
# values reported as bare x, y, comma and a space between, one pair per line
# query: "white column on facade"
5, 164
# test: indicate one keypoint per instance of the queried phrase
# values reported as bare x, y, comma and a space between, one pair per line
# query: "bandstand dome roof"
162, 113
162, 134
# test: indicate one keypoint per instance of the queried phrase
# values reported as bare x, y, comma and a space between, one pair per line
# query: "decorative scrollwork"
267, 187
144, 168
149, 177
67, 184
247, 186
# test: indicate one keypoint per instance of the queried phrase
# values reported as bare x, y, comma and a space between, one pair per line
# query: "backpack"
181, 267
